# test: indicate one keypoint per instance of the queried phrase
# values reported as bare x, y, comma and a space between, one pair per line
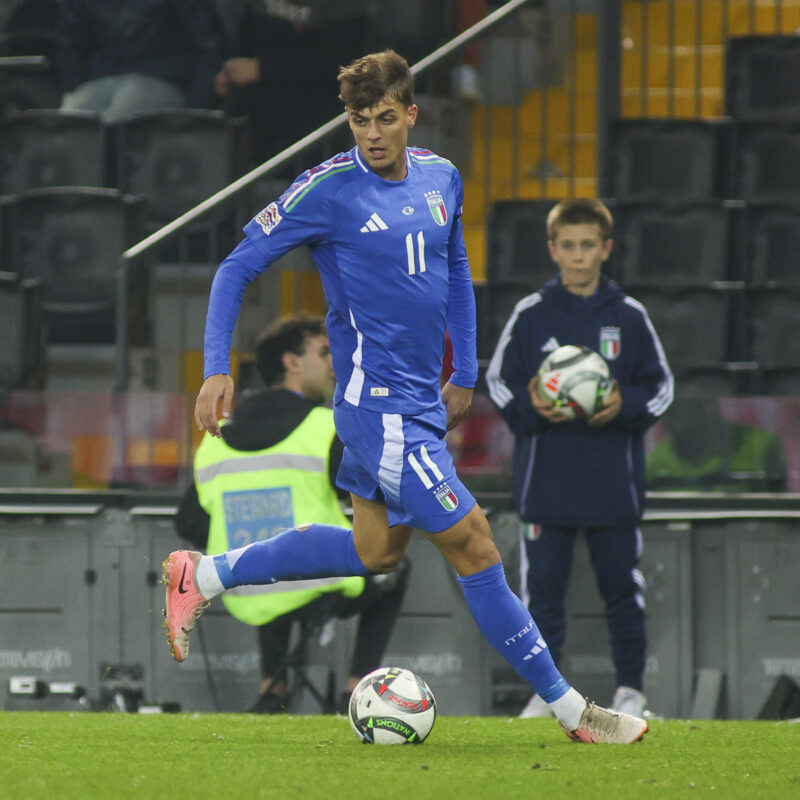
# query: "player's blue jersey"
393, 265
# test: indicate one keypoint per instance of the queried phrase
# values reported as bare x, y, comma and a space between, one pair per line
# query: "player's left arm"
458, 401
461, 324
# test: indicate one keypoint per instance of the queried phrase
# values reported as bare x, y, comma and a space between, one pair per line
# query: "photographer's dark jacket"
569, 474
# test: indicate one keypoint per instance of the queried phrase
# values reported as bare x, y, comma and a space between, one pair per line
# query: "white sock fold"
205, 576
569, 708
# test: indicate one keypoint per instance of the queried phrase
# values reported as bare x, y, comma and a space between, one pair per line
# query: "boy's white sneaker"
466, 83
628, 700
535, 708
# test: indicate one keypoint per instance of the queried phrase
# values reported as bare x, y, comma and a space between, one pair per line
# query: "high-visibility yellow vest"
255, 494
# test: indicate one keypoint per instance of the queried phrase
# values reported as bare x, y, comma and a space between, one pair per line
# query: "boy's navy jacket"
568, 474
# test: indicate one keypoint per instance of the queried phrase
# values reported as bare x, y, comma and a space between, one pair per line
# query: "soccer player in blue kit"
383, 222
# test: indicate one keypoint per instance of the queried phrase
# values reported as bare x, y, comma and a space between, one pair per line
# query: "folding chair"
292, 667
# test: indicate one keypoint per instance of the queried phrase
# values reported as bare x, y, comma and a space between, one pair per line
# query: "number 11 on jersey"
412, 264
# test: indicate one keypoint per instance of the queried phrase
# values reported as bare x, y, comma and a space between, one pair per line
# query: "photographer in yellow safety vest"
274, 467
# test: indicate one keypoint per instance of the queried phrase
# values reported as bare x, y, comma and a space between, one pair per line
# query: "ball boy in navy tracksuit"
572, 476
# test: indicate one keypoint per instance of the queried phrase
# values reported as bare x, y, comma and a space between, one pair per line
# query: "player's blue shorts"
402, 462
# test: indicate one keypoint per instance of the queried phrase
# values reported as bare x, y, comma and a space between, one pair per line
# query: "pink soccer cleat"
184, 602
601, 725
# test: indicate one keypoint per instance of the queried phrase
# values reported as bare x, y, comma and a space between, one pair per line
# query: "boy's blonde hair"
580, 211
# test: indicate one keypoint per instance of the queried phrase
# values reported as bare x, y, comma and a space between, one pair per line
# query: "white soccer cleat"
628, 700
536, 708
600, 725
184, 602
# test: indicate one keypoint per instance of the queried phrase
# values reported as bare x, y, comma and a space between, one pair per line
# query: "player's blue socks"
510, 629
318, 551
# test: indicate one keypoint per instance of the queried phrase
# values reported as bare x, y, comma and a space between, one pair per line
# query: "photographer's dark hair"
286, 335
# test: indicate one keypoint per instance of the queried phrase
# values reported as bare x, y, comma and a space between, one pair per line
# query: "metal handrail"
122, 361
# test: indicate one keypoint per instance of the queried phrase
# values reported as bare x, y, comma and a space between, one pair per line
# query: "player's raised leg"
306, 551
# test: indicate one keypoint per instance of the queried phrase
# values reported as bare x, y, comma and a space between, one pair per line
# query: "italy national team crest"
445, 495
610, 343
437, 207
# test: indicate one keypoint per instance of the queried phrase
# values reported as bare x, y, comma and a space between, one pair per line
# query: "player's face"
579, 251
381, 133
315, 369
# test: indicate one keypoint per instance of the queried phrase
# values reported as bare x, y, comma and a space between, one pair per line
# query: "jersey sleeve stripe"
428, 157
314, 178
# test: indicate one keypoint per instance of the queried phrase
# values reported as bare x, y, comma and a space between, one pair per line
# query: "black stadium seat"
21, 356
72, 239
692, 323
767, 161
27, 82
762, 77
773, 316
517, 243
668, 160
48, 147
177, 159
672, 245
770, 242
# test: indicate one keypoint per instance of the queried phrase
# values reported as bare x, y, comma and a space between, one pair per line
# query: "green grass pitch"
60, 755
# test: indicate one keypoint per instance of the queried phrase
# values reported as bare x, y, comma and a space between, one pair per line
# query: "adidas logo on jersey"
550, 345
374, 223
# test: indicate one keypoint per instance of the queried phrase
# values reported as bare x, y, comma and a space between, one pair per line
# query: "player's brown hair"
580, 211
365, 82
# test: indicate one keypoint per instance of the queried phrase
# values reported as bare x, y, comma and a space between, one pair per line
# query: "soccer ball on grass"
392, 705
576, 380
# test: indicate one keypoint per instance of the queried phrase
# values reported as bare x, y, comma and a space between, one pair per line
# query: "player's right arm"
271, 233
214, 388
243, 264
